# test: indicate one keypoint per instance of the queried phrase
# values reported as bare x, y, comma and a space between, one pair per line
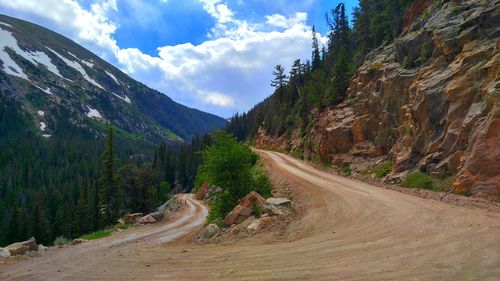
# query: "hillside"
426, 101
56, 101
53, 78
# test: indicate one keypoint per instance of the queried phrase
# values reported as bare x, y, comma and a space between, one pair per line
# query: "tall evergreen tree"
316, 58
280, 78
107, 181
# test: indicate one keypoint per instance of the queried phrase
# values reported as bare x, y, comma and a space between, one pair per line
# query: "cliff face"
429, 101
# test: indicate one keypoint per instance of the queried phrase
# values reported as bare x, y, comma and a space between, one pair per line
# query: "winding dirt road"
349, 231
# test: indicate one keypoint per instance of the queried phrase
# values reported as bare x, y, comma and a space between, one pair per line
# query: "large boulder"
244, 209
21, 248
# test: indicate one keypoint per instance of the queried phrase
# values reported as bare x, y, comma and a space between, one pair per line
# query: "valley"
349, 230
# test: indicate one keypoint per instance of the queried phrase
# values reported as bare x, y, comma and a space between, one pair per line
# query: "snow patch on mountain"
47, 91
93, 113
46, 136
7, 40
126, 99
6, 24
112, 76
43, 126
9, 65
89, 64
41, 113
78, 67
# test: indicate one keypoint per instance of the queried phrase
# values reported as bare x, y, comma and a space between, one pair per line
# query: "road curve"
80, 262
349, 231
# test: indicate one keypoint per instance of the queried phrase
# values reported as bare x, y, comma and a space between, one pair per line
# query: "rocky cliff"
430, 100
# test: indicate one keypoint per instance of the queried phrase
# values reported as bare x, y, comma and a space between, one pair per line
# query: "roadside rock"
158, 216
77, 241
244, 209
209, 231
147, 219
42, 248
21, 248
4, 253
133, 218
259, 224
282, 202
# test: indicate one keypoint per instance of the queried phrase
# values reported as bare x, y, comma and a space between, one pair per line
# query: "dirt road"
349, 231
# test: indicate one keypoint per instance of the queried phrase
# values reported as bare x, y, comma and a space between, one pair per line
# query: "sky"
214, 55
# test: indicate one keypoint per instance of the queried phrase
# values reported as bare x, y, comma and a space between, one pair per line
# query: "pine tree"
107, 181
316, 58
280, 78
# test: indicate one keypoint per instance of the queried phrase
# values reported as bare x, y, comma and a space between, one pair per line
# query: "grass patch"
98, 234
417, 179
297, 154
374, 68
380, 170
104, 232
445, 184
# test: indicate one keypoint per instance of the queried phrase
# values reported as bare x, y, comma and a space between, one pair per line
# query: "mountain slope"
45, 72
426, 104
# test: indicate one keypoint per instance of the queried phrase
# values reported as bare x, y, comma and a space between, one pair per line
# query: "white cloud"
284, 22
229, 72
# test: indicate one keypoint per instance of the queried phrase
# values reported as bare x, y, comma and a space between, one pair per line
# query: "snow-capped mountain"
51, 77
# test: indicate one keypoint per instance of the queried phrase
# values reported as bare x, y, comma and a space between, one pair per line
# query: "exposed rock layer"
429, 101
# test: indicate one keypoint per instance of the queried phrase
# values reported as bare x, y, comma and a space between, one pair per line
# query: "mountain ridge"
36, 61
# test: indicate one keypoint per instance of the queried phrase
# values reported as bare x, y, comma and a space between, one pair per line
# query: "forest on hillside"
323, 80
71, 186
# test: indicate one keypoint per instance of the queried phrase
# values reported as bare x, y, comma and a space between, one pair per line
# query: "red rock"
244, 209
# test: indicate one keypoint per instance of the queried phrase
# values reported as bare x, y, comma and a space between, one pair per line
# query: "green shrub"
425, 52
408, 63
346, 169
256, 210
445, 184
233, 167
61, 240
380, 170
455, 10
418, 179
425, 14
297, 154
374, 68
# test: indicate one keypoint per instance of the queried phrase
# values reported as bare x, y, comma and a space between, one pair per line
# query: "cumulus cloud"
228, 72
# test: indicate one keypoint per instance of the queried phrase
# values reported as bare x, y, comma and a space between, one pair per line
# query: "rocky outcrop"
244, 209
264, 141
430, 100
21, 248
253, 200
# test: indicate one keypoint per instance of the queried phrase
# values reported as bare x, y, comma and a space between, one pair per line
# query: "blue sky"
214, 55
